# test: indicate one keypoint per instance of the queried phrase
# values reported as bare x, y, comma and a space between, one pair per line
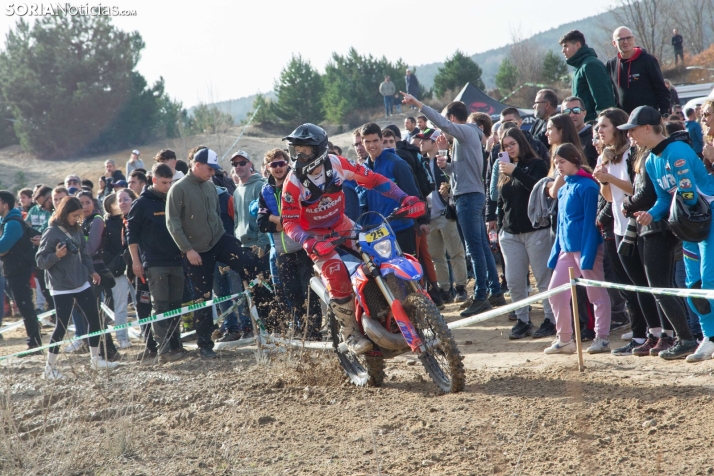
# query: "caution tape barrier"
158, 317
695, 293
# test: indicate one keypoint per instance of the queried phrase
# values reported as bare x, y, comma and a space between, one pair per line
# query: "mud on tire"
361, 370
442, 361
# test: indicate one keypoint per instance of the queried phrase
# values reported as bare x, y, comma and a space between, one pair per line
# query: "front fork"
405, 325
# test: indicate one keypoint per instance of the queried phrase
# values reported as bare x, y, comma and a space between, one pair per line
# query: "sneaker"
207, 353
247, 334
461, 294
98, 363
560, 347
586, 335
664, 343
546, 329
74, 346
644, 349
113, 355
599, 346
680, 350
124, 344
497, 300
618, 322
446, 296
171, 356
466, 304
625, 349
521, 330
703, 352
627, 336
229, 336
512, 316
476, 307
51, 373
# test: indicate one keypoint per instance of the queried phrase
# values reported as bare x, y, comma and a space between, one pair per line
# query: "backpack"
21, 256
221, 179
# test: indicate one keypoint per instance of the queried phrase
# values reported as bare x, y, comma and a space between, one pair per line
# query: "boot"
345, 314
435, 296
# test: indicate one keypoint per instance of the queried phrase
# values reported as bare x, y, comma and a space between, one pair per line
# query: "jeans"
387, 105
228, 250
657, 253
2, 297
680, 279
166, 288
119, 297
469, 209
64, 303
225, 284
21, 293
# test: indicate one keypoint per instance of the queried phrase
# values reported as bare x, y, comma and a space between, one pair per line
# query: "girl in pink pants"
578, 244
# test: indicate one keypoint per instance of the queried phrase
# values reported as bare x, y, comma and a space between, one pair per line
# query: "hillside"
490, 60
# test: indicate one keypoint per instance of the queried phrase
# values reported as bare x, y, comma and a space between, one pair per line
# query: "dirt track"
293, 413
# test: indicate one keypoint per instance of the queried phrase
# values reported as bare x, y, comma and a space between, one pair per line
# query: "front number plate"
374, 235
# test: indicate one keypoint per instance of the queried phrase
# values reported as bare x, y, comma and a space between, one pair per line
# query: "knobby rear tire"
443, 362
361, 370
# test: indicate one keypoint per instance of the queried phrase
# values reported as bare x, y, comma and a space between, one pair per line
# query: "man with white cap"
194, 222
134, 162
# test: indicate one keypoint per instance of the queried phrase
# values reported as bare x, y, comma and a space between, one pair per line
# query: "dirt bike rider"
313, 206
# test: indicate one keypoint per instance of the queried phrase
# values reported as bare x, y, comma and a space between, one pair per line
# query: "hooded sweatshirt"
246, 224
639, 81
591, 82
69, 272
577, 209
146, 227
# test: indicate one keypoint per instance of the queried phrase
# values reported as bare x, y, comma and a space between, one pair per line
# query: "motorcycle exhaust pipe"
381, 336
320, 289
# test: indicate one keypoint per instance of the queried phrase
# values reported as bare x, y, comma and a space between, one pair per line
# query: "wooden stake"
576, 320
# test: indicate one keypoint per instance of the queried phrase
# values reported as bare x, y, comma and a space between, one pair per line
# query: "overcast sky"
215, 50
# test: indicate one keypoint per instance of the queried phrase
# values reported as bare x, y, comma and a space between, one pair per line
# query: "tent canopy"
478, 101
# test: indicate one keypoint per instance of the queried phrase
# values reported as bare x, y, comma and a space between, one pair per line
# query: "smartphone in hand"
503, 157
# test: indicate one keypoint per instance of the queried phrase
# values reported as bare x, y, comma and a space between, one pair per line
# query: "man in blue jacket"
390, 165
16, 253
155, 255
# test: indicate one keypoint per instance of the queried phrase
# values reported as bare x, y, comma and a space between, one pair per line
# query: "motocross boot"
345, 315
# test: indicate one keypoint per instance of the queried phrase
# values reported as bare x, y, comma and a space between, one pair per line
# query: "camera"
71, 246
629, 241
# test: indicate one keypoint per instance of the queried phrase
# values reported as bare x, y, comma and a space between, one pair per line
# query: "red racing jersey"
301, 214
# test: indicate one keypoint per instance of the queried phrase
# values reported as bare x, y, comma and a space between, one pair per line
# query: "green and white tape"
158, 317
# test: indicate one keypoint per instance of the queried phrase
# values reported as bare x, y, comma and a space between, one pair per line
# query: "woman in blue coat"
578, 244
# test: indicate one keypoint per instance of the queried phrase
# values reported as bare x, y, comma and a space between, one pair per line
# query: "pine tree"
507, 76
554, 68
299, 93
458, 70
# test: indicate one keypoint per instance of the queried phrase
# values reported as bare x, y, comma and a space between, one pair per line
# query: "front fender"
404, 267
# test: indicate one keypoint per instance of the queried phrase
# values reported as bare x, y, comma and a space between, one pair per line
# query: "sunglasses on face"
278, 164
573, 110
242, 163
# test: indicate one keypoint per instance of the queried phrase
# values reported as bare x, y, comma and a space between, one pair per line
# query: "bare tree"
649, 20
527, 56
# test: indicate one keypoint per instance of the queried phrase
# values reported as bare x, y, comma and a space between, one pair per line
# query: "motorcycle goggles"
302, 153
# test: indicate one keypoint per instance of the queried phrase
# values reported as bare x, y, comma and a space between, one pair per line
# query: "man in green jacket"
194, 222
591, 81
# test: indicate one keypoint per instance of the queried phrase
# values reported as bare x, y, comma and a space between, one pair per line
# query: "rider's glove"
317, 248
